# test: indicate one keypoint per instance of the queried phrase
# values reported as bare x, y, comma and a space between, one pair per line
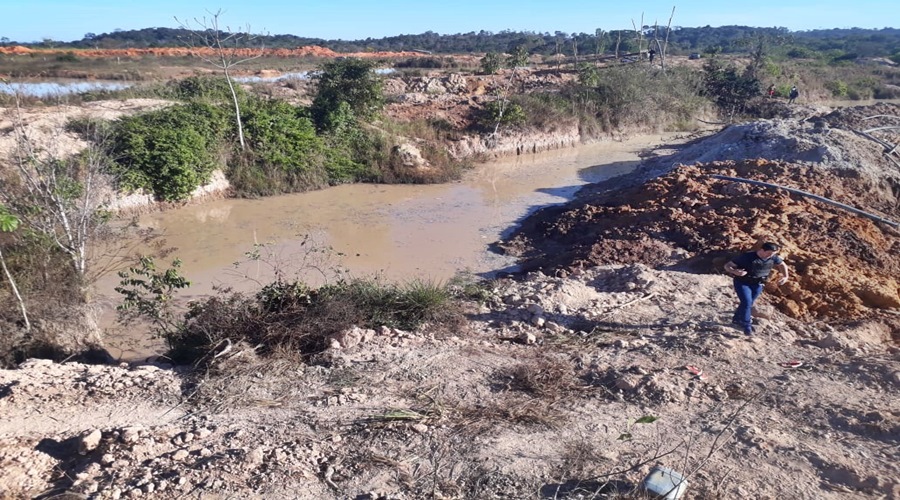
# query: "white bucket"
665, 482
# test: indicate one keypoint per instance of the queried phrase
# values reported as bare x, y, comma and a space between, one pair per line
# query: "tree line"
860, 42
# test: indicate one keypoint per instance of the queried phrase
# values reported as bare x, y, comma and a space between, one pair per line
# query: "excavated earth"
674, 213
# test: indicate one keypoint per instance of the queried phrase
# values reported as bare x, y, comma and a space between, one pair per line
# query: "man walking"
751, 270
793, 95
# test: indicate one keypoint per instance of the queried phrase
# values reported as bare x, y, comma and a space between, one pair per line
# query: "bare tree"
9, 223
223, 49
601, 44
662, 47
58, 197
639, 34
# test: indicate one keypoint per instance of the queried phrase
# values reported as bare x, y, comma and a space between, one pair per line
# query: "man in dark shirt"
751, 270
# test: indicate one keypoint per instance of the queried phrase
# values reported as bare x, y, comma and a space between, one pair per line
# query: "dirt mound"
667, 213
306, 51
827, 139
844, 265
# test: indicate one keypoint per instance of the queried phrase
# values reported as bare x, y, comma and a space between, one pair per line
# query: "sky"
28, 21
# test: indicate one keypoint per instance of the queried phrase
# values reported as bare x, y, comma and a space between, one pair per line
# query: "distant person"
771, 91
652, 55
793, 95
750, 271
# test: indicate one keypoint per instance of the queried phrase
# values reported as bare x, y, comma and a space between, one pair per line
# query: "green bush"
169, 152
491, 63
281, 137
500, 112
546, 111
67, 57
284, 154
350, 81
801, 53
837, 88
208, 88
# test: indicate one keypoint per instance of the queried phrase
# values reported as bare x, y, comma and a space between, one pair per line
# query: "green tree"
490, 63
352, 81
518, 58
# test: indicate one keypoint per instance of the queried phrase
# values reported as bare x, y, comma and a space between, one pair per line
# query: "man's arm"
732, 268
785, 274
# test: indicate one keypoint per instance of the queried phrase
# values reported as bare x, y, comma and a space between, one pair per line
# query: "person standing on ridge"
793, 95
750, 271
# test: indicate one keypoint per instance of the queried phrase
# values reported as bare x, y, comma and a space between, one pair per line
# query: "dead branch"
809, 195
876, 129
623, 306
880, 116
884, 143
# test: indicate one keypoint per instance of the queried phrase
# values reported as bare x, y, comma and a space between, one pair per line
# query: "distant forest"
850, 43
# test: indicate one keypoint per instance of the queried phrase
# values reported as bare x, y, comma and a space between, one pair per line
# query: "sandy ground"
539, 397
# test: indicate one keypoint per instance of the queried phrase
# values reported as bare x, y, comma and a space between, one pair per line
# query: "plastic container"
665, 482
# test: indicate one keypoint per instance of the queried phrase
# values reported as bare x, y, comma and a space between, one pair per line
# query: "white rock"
528, 338
254, 458
89, 441
131, 434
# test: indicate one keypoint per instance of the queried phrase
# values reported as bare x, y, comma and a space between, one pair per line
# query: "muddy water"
398, 232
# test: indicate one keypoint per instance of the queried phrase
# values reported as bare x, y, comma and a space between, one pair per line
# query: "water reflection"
50, 89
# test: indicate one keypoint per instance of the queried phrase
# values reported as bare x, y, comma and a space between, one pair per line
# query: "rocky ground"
539, 397
612, 355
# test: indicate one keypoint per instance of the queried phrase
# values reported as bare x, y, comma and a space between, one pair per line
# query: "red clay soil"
307, 51
845, 266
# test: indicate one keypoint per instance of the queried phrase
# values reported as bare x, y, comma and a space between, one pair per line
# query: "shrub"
801, 53
291, 317
169, 152
730, 89
351, 81
281, 137
491, 63
546, 111
887, 92
499, 112
427, 62
837, 88
67, 57
208, 88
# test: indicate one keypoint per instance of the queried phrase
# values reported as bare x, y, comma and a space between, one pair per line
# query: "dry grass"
544, 376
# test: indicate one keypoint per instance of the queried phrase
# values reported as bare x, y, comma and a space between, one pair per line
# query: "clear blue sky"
68, 20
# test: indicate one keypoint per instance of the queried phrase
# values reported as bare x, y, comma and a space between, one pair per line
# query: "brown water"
399, 232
